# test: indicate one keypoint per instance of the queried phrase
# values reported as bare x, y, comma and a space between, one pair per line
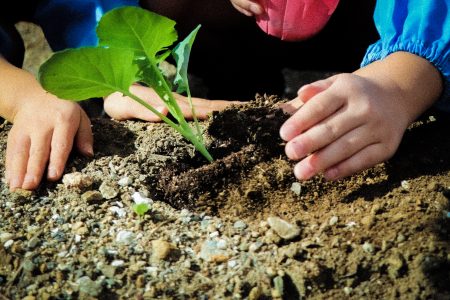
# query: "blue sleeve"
421, 27
71, 24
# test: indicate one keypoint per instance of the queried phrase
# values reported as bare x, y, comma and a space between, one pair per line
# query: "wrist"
18, 87
409, 80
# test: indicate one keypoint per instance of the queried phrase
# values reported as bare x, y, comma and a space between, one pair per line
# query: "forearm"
413, 81
14, 82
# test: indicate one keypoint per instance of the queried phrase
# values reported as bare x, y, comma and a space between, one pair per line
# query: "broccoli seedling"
132, 43
141, 208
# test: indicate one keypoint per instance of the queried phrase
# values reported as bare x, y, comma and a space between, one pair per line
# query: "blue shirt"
421, 27
71, 24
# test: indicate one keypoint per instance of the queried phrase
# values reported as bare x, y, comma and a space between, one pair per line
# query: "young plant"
141, 208
132, 43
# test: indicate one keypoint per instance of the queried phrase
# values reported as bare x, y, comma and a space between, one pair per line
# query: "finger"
320, 107
17, 152
340, 150
61, 145
364, 159
308, 91
324, 133
124, 108
38, 157
243, 11
252, 8
305, 93
84, 139
292, 106
203, 108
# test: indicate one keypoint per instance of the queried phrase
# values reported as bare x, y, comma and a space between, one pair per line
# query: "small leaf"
142, 31
181, 54
80, 74
141, 208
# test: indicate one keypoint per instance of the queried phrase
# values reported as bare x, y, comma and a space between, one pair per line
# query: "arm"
44, 129
351, 122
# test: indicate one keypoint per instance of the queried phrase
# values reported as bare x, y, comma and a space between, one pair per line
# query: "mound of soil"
240, 227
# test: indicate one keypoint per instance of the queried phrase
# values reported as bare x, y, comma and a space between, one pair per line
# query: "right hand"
248, 7
43, 132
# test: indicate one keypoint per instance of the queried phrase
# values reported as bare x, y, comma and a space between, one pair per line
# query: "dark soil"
380, 234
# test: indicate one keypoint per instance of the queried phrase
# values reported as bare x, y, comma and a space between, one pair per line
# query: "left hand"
350, 122
347, 123
122, 108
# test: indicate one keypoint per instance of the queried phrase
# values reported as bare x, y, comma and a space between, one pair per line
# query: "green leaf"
136, 29
80, 74
181, 54
141, 208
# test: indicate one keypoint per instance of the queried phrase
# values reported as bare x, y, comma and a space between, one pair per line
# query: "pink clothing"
293, 20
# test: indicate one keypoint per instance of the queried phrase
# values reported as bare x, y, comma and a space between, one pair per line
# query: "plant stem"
186, 131
194, 115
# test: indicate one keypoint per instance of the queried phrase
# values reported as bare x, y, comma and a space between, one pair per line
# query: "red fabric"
293, 20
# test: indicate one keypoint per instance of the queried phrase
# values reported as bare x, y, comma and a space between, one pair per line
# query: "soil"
241, 227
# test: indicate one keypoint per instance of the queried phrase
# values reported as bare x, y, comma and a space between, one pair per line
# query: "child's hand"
248, 7
350, 122
43, 133
122, 108
44, 129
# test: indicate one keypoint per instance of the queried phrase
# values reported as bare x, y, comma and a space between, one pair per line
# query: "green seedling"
132, 43
141, 208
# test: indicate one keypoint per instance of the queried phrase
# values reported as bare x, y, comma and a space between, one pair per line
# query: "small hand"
44, 130
347, 123
248, 7
122, 108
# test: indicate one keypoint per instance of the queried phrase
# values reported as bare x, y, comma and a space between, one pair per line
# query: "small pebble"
296, 188
5, 236
368, 247
108, 190
33, 242
8, 244
240, 225
125, 237
160, 250
77, 180
117, 263
125, 181
405, 185
333, 220
283, 228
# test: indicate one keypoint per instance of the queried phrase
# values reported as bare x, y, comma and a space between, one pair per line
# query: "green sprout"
132, 43
141, 208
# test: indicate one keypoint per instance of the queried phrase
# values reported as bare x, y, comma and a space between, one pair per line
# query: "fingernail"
256, 9
14, 184
87, 150
90, 151
287, 132
51, 174
303, 171
29, 181
331, 174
